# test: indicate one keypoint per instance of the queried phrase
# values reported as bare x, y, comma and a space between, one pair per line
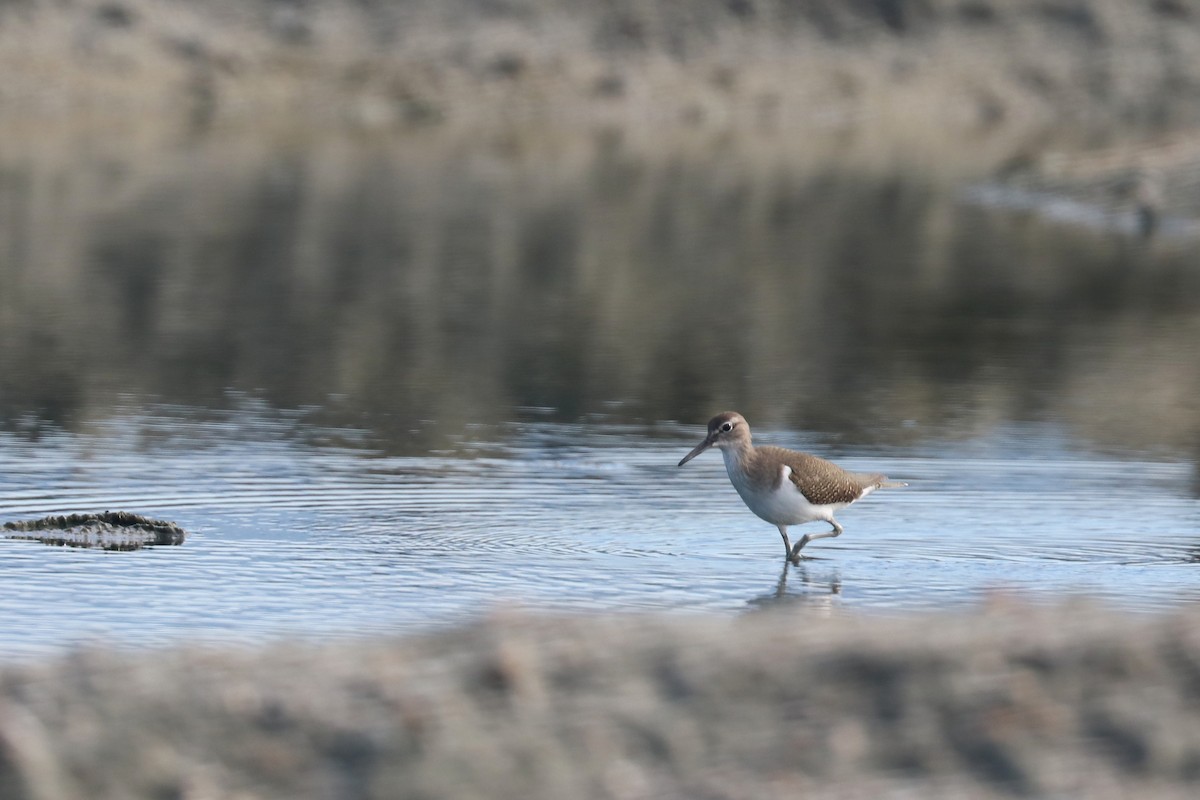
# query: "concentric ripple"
291, 539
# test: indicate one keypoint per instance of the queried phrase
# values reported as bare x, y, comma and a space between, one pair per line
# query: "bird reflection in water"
814, 587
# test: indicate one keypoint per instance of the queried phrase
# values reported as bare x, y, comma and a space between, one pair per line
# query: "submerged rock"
110, 530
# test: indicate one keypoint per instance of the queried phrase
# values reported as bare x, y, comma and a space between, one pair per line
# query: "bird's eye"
727, 427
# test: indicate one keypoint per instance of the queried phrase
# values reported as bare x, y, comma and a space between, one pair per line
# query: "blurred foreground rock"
1064, 702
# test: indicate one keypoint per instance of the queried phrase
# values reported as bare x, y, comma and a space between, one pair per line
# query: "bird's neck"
737, 457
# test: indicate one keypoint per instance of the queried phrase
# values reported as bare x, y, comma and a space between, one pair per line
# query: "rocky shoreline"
1073, 701
954, 73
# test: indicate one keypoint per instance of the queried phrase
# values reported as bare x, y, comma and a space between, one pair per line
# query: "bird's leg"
794, 555
787, 543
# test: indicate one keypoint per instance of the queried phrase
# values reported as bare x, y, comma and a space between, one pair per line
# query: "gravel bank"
1013, 701
919, 70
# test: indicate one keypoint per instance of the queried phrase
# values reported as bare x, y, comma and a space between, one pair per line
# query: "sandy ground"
1097, 100
942, 73
797, 702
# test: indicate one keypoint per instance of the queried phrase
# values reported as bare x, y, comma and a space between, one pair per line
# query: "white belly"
782, 506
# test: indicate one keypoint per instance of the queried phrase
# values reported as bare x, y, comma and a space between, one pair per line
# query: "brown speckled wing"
822, 482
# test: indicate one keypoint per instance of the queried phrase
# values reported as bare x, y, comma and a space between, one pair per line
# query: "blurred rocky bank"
981, 75
1005, 701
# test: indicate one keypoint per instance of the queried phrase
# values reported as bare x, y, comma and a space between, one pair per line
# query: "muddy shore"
1008, 701
968, 73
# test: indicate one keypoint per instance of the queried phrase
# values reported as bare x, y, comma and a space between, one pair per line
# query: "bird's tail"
886, 484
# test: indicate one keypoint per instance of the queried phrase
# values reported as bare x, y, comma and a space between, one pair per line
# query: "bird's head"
725, 429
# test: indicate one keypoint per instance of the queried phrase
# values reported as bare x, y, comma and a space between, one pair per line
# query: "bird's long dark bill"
700, 448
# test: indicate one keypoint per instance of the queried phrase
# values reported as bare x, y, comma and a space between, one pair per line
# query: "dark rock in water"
111, 530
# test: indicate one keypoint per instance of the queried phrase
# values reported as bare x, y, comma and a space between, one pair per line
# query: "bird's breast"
777, 501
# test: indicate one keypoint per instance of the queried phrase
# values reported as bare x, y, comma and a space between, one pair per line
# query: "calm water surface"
295, 538
392, 385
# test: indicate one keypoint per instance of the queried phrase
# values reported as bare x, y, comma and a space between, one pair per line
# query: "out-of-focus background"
406, 309
835, 217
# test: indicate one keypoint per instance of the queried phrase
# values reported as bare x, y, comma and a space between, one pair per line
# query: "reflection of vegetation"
385, 286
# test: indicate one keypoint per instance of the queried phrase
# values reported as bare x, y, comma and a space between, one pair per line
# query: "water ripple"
292, 539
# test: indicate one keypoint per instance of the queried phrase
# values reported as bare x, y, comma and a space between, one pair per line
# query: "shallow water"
292, 538
389, 386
